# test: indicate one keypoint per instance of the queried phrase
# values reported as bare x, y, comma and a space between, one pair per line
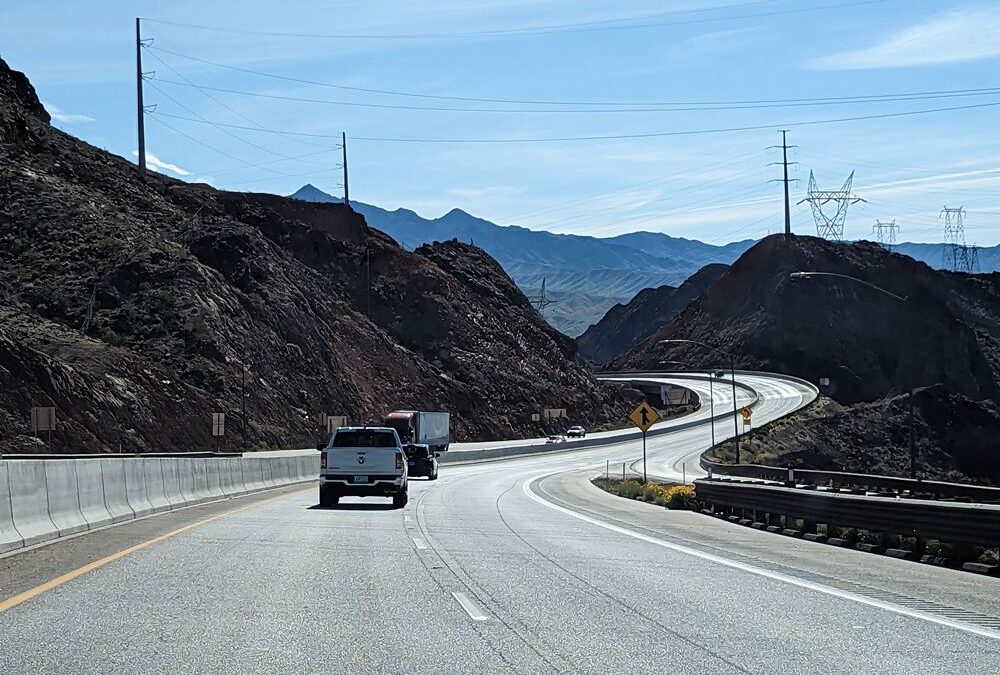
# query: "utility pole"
784, 163
140, 108
343, 145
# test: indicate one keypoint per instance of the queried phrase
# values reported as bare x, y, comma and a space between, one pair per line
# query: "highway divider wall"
43, 499
466, 456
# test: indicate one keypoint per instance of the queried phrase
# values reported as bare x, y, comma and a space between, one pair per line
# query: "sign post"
747, 412
218, 428
43, 419
644, 416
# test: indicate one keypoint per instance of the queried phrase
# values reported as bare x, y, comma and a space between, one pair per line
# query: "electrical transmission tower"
958, 256
830, 227
885, 233
785, 164
540, 301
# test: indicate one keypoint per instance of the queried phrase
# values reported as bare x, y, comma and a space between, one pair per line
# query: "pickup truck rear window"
364, 439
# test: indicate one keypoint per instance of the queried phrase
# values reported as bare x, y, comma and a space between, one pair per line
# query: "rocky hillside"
625, 326
954, 437
138, 308
585, 276
866, 342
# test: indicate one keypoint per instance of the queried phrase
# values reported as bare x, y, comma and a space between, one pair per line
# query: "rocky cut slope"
867, 342
625, 326
138, 309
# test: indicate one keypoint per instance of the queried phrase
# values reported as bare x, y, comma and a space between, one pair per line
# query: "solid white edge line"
469, 605
777, 576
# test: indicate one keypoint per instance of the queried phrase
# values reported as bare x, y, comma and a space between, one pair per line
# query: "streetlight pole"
806, 275
732, 369
711, 396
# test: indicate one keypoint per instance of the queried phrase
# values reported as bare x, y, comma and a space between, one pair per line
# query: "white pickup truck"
363, 462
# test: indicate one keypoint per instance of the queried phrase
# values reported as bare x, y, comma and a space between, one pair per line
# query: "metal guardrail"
840, 479
947, 521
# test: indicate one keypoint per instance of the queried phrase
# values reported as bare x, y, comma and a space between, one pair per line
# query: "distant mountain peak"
311, 193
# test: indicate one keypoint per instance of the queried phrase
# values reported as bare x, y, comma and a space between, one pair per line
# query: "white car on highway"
363, 462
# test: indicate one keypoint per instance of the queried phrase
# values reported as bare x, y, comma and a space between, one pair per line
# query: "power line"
609, 137
689, 108
216, 100
533, 30
866, 98
247, 164
220, 128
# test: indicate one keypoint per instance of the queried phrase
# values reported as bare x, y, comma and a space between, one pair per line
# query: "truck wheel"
327, 497
399, 499
433, 476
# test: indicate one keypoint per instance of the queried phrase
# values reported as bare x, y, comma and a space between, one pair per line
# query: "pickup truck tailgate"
361, 462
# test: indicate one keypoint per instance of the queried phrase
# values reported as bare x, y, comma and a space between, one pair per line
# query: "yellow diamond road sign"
644, 416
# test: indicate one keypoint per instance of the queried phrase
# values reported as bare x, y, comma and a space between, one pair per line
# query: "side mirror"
320, 446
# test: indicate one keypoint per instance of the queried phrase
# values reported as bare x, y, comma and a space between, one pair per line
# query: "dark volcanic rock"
136, 307
868, 343
955, 438
625, 326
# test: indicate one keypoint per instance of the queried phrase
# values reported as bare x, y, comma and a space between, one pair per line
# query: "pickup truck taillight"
322, 460
399, 460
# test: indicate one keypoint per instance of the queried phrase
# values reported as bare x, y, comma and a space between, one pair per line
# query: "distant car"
421, 461
576, 432
555, 439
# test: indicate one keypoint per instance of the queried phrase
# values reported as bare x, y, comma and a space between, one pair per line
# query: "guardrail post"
791, 477
709, 473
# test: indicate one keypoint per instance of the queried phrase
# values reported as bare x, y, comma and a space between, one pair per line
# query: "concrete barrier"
228, 472
10, 538
185, 472
267, 472
135, 487
253, 473
90, 484
29, 502
156, 492
63, 495
200, 473
172, 481
115, 496
308, 466
213, 477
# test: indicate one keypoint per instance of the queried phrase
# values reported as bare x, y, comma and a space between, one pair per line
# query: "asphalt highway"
508, 566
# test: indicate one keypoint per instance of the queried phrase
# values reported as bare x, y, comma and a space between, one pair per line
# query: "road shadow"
353, 507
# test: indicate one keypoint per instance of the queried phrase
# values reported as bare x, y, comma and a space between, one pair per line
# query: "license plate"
361, 479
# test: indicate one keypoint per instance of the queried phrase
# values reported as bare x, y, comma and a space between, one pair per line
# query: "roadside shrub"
669, 496
680, 497
629, 488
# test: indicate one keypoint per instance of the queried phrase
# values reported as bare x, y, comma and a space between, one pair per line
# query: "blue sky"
568, 53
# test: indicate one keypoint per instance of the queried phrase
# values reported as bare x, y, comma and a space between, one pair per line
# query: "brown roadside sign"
644, 416
746, 412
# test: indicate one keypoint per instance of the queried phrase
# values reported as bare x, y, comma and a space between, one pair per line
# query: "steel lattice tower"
954, 239
885, 233
830, 227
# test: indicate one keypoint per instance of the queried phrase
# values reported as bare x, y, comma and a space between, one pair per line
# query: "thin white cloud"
954, 37
61, 115
156, 163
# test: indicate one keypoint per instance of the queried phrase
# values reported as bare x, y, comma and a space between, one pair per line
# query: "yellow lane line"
16, 600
